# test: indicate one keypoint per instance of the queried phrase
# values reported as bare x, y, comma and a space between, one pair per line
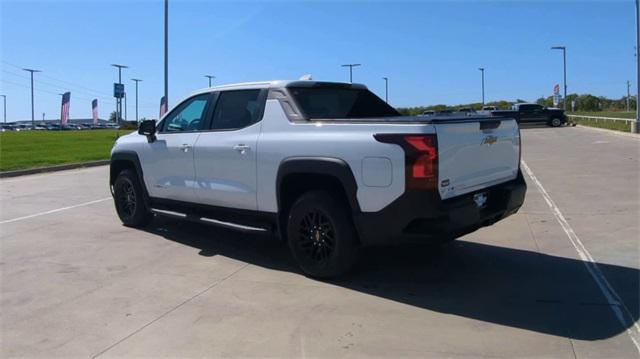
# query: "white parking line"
54, 211
618, 307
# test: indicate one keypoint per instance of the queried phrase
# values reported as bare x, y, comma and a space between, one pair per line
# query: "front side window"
340, 103
188, 116
236, 109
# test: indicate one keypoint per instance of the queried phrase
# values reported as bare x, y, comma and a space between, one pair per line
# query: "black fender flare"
328, 166
131, 157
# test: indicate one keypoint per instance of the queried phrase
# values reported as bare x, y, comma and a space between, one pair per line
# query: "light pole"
564, 61
136, 81
482, 70
636, 126
166, 53
118, 99
351, 66
210, 77
4, 97
125, 106
33, 120
386, 89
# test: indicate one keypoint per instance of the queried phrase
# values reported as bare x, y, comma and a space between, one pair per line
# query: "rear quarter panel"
353, 143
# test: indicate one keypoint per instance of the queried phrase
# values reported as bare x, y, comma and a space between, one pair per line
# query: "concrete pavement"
76, 283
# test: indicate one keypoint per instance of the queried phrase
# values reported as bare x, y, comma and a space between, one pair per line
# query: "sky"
429, 50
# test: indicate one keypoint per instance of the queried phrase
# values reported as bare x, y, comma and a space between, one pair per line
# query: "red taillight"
421, 158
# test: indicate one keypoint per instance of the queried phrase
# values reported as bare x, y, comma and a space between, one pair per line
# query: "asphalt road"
559, 279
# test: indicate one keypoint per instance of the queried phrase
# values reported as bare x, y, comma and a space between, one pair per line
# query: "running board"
205, 220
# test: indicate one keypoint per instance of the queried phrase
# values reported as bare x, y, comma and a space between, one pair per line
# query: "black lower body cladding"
421, 216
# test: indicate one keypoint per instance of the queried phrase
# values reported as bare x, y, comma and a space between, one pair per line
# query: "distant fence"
598, 118
611, 123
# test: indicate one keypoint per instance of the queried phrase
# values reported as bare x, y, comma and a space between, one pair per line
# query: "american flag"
94, 110
163, 106
64, 112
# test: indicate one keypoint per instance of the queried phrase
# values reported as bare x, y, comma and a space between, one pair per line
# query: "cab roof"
277, 84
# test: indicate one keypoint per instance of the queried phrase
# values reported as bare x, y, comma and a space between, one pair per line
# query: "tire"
321, 235
129, 200
555, 122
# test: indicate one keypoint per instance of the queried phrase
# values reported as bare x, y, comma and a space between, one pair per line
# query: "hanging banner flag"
64, 111
163, 106
94, 111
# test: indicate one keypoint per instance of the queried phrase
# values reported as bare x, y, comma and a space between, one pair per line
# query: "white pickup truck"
328, 167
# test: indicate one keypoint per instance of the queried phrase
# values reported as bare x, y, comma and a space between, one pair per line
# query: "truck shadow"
505, 286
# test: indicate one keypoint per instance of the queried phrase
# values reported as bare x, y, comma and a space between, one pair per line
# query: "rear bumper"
421, 216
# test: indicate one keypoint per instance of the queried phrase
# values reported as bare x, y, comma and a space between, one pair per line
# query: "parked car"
489, 108
466, 110
327, 167
428, 113
534, 113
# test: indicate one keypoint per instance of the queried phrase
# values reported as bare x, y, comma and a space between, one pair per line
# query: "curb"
613, 132
56, 168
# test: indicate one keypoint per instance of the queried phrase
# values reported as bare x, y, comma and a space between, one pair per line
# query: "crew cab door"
167, 162
225, 154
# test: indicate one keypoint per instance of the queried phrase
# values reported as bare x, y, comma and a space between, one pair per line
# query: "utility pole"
166, 53
33, 120
386, 89
351, 66
136, 81
4, 97
210, 77
482, 70
118, 99
564, 61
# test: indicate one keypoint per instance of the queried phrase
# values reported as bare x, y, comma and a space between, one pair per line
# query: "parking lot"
559, 279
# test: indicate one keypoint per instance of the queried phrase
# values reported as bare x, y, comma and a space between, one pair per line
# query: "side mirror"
147, 128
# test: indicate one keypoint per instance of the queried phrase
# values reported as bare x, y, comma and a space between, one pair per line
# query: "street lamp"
386, 89
166, 54
136, 81
210, 77
635, 127
482, 70
564, 60
4, 97
351, 66
118, 99
33, 120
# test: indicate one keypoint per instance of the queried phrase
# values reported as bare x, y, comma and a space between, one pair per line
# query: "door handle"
185, 147
242, 148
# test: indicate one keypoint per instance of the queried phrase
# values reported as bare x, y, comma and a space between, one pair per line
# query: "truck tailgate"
476, 154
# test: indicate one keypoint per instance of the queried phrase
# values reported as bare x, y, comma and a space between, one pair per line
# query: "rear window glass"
340, 103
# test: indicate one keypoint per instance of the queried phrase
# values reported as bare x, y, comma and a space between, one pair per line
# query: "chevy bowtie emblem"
489, 140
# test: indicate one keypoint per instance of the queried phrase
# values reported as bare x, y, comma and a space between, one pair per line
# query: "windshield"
340, 103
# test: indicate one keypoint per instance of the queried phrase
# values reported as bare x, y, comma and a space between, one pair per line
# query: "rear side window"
237, 109
340, 103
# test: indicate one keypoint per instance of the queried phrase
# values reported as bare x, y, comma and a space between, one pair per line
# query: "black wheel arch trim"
327, 166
